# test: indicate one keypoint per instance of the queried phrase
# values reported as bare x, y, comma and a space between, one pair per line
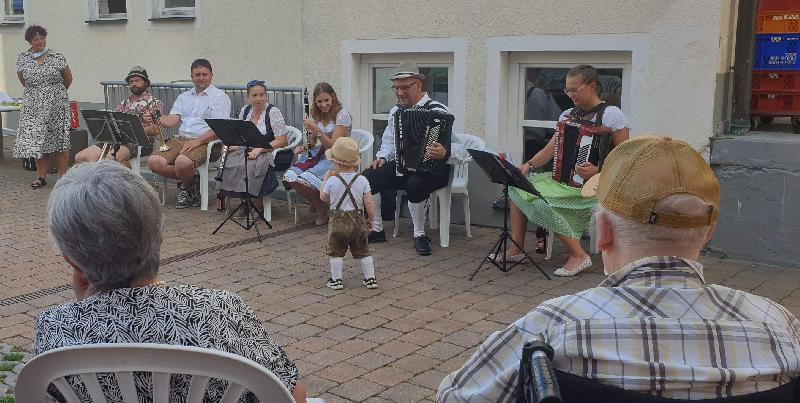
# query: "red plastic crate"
779, 22
777, 5
776, 80
775, 103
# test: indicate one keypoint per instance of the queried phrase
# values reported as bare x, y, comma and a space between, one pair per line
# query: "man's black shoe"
376, 236
423, 245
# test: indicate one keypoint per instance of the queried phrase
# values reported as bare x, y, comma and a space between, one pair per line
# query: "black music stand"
504, 173
117, 128
241, 133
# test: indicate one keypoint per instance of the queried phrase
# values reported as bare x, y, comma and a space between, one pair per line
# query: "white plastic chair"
136, 162
202, 170
441, 199
161, 360
551, 236
295, 136
365, 140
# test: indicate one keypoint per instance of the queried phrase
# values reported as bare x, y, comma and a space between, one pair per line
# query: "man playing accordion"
387, 174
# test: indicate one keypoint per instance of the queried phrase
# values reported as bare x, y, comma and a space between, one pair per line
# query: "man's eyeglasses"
253, 83
398, 88
570, 91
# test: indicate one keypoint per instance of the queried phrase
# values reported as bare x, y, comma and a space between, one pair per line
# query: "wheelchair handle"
545, 385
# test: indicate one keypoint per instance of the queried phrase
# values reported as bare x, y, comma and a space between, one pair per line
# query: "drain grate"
178, 258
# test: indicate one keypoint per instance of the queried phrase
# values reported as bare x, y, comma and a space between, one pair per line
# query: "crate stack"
776, 67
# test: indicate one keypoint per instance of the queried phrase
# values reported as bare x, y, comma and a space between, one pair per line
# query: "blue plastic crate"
776, 52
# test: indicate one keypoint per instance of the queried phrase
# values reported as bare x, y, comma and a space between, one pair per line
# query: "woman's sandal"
39, 183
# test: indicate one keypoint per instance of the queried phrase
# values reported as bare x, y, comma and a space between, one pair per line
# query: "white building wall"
297, 43
243, 40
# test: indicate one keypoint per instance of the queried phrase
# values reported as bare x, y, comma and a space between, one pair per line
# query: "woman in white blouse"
329, 121
261, 174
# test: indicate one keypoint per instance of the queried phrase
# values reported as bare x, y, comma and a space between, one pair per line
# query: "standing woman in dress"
44, 119
329, 121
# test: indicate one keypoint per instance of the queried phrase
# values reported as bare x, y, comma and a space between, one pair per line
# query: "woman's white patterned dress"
44, 118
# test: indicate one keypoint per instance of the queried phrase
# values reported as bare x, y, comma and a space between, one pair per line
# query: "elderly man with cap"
383, 177
653, 325
140, 101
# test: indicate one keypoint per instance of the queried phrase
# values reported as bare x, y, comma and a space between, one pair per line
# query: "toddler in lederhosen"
349, 196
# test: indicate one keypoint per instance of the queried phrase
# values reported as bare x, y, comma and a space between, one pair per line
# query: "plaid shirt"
138, 104
654, 326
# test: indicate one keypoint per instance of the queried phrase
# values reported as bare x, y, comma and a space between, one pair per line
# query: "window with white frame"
107, 10
13, 12
537, 98
377, 70
173, 9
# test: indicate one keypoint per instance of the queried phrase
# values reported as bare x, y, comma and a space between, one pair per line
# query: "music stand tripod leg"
527, 256
496, 251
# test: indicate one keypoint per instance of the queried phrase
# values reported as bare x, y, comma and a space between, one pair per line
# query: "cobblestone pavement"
394, 343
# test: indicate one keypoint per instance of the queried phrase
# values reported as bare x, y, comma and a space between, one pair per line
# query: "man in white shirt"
382, 175
187, 150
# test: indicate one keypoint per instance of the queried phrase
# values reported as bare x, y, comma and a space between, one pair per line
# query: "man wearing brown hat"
140, 101
653, 325
383, 176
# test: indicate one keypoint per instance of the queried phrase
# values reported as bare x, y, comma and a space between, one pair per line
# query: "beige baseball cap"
644, 170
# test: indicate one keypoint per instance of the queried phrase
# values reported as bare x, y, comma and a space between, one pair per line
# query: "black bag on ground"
29, 164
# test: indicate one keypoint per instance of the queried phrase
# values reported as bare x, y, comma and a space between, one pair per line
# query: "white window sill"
104, 20
173, 18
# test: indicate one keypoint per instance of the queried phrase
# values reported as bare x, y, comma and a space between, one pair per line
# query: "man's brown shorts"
347, 229
197, 154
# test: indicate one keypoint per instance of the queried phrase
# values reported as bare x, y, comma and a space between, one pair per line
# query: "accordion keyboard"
583, 155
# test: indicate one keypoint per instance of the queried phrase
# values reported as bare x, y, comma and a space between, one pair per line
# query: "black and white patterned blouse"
182, 315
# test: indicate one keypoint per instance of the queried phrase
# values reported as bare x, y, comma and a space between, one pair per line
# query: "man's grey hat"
138, 71
406, 70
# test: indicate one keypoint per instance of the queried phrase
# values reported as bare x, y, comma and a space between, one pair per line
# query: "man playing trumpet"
138, 103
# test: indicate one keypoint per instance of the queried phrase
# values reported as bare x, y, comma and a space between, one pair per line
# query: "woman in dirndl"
44, 118
329, 120
260, 165
567, 214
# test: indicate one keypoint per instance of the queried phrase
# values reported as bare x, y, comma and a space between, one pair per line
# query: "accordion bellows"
415, 130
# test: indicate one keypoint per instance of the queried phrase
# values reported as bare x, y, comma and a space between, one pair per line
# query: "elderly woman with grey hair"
106, 222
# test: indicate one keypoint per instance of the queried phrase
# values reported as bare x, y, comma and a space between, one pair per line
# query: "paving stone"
390, 344
422, 337
354, 346
406, 392
357, 389
341, 372
380, 335
441, 350
388, 376
429, 379
415, 363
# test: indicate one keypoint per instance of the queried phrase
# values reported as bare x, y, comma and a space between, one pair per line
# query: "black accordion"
416, 129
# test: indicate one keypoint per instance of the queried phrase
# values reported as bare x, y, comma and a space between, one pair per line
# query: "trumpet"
159, 129
108, 147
